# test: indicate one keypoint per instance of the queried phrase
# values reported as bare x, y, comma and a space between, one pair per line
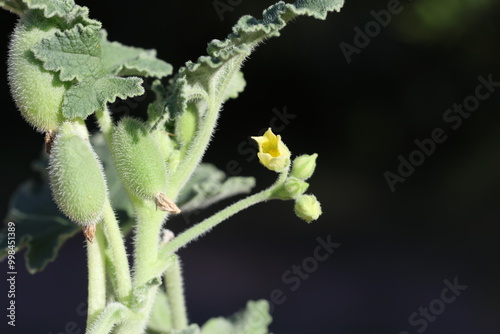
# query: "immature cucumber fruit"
140, 162
76, 176
38, 94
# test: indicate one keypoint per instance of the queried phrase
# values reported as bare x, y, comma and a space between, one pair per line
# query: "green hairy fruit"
76, 176
139, 159
38, 93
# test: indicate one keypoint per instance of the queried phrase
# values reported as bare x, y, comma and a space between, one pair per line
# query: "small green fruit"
307, 207
76, 176
38, 94
139, 159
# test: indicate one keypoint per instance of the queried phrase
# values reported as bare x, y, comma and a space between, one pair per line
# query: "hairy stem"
96, 259
120, 271
105, 124
147, 234
174, 286
200, 229
114, 313
202, 138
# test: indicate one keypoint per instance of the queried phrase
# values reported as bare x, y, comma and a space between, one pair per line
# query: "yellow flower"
272, 152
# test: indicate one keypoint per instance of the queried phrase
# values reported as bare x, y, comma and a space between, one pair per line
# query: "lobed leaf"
66, 10
83, 99
122, 60
74, 53
14, 6
211, 78
254, 319
40, 227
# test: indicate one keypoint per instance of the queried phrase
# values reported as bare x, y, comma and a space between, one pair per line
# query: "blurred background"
397, 247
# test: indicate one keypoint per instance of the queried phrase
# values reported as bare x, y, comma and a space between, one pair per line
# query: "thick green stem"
96, 259
174, 286
202, 138
195, 153
149, 222
136, 322
119, 270
108, 318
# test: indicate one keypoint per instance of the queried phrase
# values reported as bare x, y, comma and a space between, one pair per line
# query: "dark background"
398, 247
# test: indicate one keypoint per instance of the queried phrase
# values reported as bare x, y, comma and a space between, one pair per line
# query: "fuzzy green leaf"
235, 86
124, 60
211, 77
64, 9
14, 6
74, 53
40, 227
83, 99
209, 185
254, 319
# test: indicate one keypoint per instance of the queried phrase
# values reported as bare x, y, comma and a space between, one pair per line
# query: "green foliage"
15, 6
254, 319
40, 227
216, 77
62, 68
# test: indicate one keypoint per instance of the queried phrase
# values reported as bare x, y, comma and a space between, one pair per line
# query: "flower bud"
292, 188
186, 125
139, 159
76, 176
38, 94
307, 207
273, 153
303, 166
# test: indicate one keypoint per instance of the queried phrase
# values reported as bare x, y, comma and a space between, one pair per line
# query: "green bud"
76, 176
307, 207
186, 125
38, 94
292, 188
174, 160
303, 166
139, 159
